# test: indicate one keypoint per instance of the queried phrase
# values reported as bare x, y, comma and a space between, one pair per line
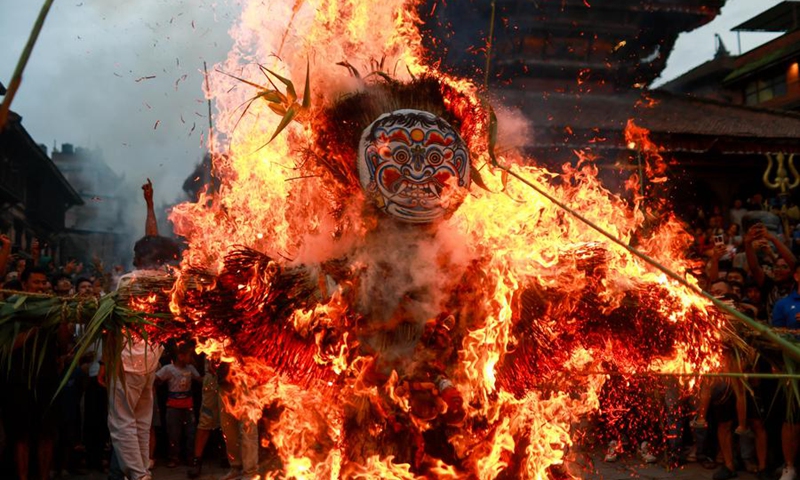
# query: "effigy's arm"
251, 303
254, 303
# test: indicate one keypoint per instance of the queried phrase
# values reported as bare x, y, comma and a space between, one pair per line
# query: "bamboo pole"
780, 376
489, 45
788, 347
210, 119
16, 79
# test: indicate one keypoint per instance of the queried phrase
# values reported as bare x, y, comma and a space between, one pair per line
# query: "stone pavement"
593, 469
210, 472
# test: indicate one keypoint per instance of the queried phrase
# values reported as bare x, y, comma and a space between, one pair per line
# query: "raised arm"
754, 233
783, 249
5, 253
151, 225
36, 252
712, 269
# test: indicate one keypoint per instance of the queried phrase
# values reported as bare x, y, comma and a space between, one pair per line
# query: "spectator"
753, 302
180, 412
736, 275
130, 412
786, 314
62, 285
95, 428
30, 421
780, 284
755, 203
796, 240
83, 287
733, 237
131, 407
241, 435
715, 220
98, 289
5, 253
736, 213
209, 417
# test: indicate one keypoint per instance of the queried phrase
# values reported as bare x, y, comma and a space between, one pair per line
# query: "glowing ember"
461, 348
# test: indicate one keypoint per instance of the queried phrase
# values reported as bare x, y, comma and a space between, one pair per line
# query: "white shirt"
138, 356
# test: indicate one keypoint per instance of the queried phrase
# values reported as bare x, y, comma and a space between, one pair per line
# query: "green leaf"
492, 135
19, 302
289, 85
307, 89
249, 102
279, 109
42, 353
388, 78
476, 177
14, 336
290, 114
409, 73
260, 87
272, 96
352, 69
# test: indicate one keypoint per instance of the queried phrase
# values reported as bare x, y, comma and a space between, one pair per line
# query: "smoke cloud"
122, 77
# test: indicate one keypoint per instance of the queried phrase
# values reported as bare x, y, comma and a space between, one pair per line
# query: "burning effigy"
363, 264
365, 267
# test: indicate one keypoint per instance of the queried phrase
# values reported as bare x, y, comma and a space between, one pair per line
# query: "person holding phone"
780, 284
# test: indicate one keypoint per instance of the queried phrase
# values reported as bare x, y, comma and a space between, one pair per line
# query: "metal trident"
782, 180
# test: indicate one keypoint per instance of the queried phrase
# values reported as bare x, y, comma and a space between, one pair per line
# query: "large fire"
476, 347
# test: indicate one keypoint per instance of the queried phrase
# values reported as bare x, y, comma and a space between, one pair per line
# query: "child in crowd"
180, 413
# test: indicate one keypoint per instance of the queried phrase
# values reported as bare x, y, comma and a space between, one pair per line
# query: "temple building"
96, 230
35, 197
579, 72
766, 77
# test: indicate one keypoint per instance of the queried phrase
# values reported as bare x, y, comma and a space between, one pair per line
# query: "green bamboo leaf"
42, 354
350, 68
272, 96
29, 356
249, 102
307, 89
290, 114
277, 108
792, 388
476, 177
388, 78
492, 135
289, 85
14, 336
19, 302
34, 350
260, 87
413, 77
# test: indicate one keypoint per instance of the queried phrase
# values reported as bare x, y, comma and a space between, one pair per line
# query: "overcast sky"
126, 76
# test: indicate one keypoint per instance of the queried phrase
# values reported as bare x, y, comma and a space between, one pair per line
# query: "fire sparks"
485, 331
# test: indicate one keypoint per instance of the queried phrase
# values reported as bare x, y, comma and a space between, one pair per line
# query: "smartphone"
719, 240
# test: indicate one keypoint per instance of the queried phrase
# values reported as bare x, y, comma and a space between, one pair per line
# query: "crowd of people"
98, 422
163, 403
749, 261
57, 421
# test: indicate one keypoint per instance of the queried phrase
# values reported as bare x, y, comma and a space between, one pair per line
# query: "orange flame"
271, 201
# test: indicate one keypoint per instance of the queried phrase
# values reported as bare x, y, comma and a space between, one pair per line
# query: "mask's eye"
401, 156
435, 158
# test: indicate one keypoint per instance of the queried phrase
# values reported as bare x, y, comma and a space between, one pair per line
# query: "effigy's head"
407, 161
404, 148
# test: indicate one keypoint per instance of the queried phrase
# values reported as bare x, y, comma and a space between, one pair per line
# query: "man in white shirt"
130, 392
